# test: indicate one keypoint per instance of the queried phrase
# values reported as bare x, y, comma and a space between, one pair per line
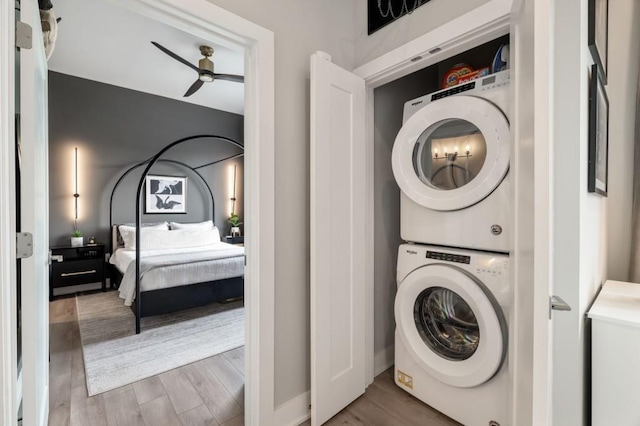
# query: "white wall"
424, 19
624, 64
591, 232
301, 27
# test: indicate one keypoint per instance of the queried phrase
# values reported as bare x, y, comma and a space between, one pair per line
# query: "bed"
179, 268
179, 265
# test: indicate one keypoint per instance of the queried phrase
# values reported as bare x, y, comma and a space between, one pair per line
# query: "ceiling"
101, 41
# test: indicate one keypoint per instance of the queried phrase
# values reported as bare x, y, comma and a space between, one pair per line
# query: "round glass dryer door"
451, 325
452, 153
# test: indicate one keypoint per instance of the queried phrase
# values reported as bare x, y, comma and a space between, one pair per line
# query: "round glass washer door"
451, 325
452, 153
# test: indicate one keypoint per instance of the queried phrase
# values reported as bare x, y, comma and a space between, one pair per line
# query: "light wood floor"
209, 392
385, 404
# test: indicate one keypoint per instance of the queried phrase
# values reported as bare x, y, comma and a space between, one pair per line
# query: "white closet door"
34, 213
337, 238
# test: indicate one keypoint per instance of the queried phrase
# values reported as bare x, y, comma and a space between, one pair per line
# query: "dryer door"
451, 325
452, 153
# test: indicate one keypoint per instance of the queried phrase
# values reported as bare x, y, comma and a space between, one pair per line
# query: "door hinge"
556, 303
24, 35
24, 245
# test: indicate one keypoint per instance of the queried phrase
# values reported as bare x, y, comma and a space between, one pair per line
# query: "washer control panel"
448, 257
496, 266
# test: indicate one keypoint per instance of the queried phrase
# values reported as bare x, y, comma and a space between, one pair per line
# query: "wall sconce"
451, 156
233, 194
75, 194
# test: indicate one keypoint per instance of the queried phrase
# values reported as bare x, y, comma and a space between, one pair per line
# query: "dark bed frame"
172, 299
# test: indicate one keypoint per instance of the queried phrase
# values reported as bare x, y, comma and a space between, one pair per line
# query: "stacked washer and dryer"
451, 162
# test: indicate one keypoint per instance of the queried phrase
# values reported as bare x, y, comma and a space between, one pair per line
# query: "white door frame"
8, 342
482, 24
202, 18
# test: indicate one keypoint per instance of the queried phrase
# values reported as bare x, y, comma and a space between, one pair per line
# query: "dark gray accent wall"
115, 128
388, 105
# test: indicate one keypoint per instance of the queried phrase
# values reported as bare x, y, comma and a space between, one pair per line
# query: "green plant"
76, 234
234, 220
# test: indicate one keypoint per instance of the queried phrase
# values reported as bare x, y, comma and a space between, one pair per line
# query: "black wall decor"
383, 12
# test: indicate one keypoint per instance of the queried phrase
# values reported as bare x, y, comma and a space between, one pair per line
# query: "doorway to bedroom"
175, 254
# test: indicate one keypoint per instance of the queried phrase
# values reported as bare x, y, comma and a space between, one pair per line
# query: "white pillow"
205, 226
178, 239
128, 233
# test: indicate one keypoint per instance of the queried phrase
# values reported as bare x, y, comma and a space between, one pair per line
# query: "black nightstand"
235, 240
75, 266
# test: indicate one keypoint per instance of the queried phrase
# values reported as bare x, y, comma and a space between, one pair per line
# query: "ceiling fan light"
206, 77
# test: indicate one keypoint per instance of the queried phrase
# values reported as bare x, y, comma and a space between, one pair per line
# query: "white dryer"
451, 313
451, 162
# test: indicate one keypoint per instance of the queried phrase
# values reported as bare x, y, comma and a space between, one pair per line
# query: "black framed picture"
384, 12
166, 194
598, 135
599, 34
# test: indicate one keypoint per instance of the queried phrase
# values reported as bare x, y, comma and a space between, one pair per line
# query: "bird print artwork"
166, 204
166, 194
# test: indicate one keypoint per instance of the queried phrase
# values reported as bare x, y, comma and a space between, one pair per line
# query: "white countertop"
618, 302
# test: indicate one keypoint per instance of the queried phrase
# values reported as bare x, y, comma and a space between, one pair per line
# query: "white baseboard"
295, 411
383, 360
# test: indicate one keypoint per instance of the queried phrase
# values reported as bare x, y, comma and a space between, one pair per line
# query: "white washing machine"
451, 162
451, 313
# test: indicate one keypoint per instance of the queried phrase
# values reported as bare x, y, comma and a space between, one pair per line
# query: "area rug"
115, 356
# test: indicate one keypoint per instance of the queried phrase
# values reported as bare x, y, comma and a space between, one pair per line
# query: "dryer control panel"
479, 87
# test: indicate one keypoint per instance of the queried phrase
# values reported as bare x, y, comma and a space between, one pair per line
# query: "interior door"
337, 238
34, 218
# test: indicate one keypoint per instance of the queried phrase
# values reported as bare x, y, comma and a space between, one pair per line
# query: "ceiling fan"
204, 68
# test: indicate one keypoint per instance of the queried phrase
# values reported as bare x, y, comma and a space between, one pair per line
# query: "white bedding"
211, 262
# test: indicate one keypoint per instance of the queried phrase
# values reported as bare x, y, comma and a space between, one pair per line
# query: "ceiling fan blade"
176, 57
194, 87
230, 77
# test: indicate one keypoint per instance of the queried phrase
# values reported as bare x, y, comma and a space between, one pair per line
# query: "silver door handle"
556, 303
71, 274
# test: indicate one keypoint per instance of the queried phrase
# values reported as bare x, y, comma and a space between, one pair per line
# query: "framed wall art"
598, 174
166, 194
384, 12
599, 34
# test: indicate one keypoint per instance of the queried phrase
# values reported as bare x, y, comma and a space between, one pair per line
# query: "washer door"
452, 153
451, 325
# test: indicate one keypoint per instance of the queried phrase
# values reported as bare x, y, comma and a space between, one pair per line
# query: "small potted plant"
77, 239
234, 220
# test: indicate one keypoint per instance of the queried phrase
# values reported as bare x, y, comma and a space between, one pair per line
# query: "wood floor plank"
221, 404
85, 410
236, 421
370, 413
63, 309
199, 416
181, 392
346, 418
60, 400
236, 357
230, 377
78, 377
149, 389
159, 412
122, 408
60, 348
